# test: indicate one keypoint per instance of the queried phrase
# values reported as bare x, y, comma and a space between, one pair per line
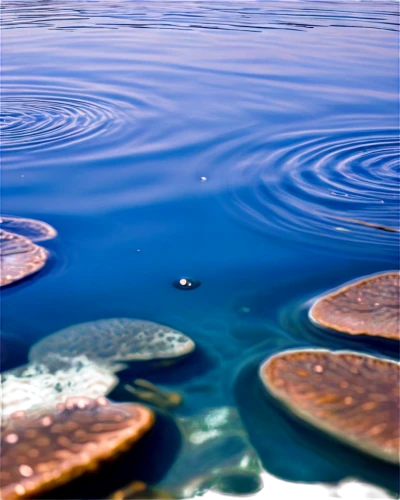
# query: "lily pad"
290, 448
37, 384
34, 230
19, 257
115, 340
370, 306
42, 450
352, 396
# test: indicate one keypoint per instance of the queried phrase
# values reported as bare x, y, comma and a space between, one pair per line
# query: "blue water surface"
229, 142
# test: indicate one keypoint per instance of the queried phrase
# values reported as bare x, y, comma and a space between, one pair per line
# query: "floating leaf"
371, 306
353, 396
43, 450
34, 230
19, 257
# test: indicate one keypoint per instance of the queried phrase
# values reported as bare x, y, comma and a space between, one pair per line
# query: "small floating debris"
352, 396
115, 340
203, 179
370, 306
373, 225
19, 257
147, 392
34, 230
43, 450
43, 385
140, 491
186, 284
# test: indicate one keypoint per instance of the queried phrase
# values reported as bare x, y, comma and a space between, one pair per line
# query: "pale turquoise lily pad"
115, 340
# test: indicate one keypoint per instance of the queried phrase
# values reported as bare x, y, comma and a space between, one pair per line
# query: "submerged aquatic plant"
146, 391
19, 257
352, 396
46, 385
43, 450
34, 230
115, 340
370, 306
216, 455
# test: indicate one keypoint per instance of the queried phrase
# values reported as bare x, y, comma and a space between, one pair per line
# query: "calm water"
218, 140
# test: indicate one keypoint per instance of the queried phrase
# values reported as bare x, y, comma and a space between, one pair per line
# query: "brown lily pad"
370, 306
19, 257
352, 396
43, 450
34, 230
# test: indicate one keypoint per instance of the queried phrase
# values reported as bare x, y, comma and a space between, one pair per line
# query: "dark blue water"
225, 141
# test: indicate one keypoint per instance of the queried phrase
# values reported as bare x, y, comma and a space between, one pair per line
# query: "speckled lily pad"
42, 450
34, 230
370, 306
37, 385
291, 449
115, 340
352, 396
19, 257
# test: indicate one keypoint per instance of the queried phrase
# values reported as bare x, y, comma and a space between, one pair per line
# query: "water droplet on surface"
186, 284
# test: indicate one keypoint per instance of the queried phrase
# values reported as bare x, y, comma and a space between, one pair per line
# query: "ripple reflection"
49, 118
333, 183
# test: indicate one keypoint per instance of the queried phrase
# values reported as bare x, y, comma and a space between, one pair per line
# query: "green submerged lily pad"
352, 396
370, 306
115, 340
19, 257
44, 449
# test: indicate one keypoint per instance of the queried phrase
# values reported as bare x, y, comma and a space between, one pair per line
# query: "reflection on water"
45, 121
250, 147
321, 179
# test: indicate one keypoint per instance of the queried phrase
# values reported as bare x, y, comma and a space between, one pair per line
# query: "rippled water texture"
249, 147
289, 109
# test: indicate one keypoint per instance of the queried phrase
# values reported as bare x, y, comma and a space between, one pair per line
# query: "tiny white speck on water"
183, 282
342, 229
203, 179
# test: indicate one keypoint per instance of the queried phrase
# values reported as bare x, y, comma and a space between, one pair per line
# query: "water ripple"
48, 119
333, 183
193, 15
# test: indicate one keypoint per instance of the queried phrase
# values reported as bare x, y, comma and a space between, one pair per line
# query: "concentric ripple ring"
39, 120
335, 183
